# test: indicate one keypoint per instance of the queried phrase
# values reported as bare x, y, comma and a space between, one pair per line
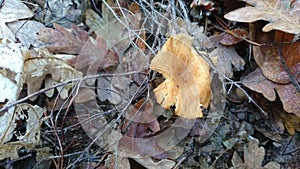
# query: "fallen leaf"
64, 12
38, 64
185, 27
141, 122
117, 33
115, 89
253, 158
281, 14
229, 39
59, 40
187, 84
115, 161
227, 60
11, 67
151, 164
26, 32
106, 91
11, 11
30, 140
288, 94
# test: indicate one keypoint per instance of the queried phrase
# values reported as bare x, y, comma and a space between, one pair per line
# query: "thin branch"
76, 80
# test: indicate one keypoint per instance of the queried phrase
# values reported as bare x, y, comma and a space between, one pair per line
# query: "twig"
7, 106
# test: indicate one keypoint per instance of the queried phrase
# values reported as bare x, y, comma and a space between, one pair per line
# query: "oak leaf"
117, 33
187, 84
253, 158
11, 68
60, 40
39, 64
282, 15
10, 12
288, 94
225, 58
268, 57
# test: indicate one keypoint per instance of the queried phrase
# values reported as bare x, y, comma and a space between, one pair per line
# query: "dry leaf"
253, 158
151, 164
31, 138
268, 57
141, 122
187, 84
117, 33
106, 91
227, 60
59, 40
116, 161
11, 11
26, 32
291, 122
288, 94
39, 64
282, 15
63, 12
11, 67
229, 39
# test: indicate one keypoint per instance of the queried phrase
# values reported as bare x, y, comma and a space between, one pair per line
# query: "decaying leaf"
187, 84
291, 122
184, 27
225, 58
115, 161
59, 40
253, 158
11, 67
31, 115
11, 11
141, 122
268, 57
39, 64
272, 73
151, 164
229, 39
116, 33
288, 94
282, 15
63, 12
26, 32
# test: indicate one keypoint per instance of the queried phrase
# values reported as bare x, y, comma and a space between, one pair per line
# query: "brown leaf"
187, 84
141, 122
227, 60
288, 94
39, 64
268, 57
116, 33
94, 57
59, 40
253, 158
281, 14
229, 39
114, 160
